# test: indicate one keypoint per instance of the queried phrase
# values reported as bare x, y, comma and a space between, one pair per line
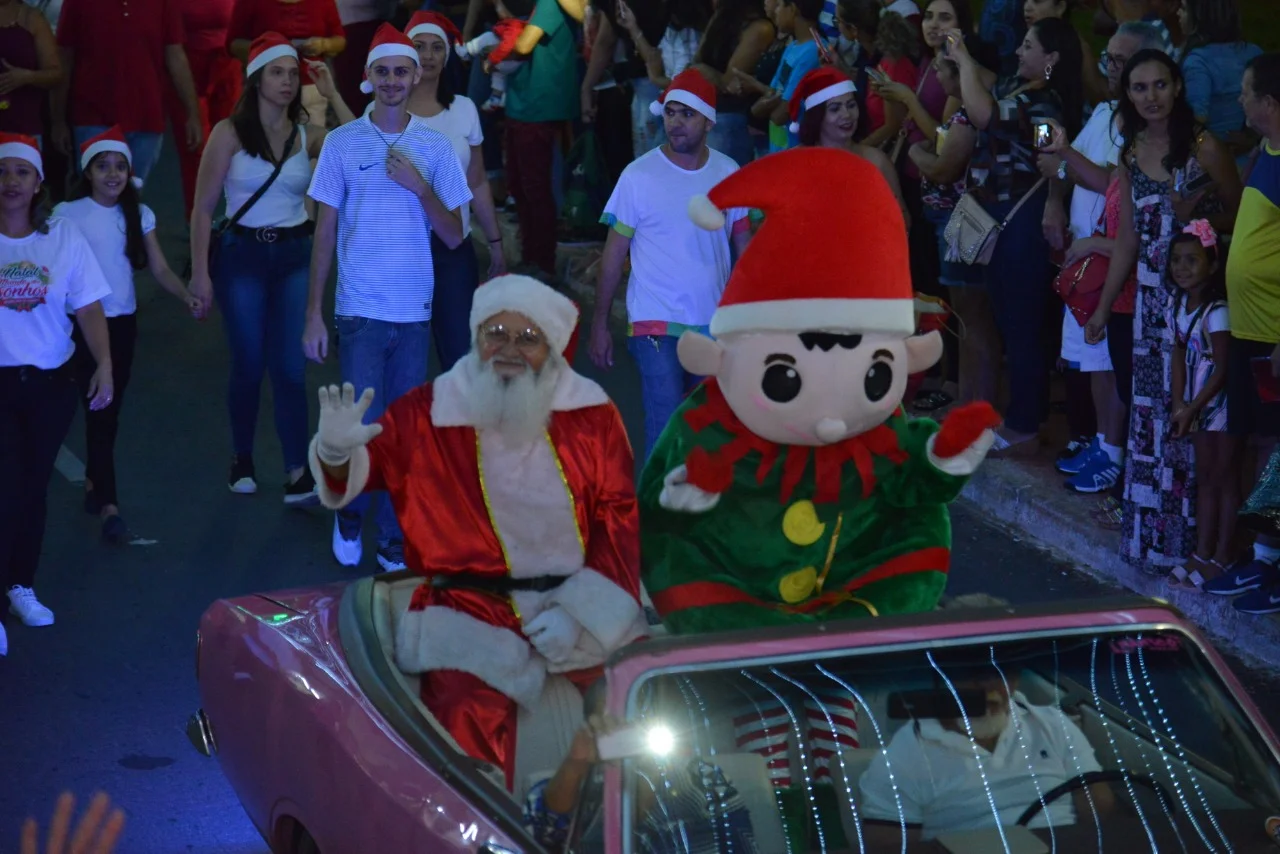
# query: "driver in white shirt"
1021, 751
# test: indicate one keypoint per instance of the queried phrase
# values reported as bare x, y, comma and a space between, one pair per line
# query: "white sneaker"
347, 551
23, 603
4, 641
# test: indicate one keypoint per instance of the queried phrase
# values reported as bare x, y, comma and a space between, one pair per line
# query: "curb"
1016, 495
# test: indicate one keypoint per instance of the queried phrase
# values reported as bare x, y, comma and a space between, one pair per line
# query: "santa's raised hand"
342, 429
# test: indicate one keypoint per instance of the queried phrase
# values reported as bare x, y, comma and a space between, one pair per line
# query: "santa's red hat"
24, 148
815, 88
811, 268
434, 24
266, 48
553, 312
693, 90
387, 41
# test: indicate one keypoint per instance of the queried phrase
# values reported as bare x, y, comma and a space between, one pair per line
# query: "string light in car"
717, 808
777, 794
1018, 731
1071, 750
1115, 751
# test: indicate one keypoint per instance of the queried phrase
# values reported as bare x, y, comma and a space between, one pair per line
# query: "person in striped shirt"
383, 185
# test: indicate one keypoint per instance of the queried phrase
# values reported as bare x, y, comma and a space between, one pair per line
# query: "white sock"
1268, 553
1115, 452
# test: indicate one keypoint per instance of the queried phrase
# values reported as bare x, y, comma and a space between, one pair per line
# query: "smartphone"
1196, 184
623, 743
1044, 134
824, 50
939, 138
1268, 385
877, 76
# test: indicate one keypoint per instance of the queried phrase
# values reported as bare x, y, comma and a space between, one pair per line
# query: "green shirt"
545, 87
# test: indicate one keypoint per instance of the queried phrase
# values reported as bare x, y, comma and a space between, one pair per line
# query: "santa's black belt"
500, 585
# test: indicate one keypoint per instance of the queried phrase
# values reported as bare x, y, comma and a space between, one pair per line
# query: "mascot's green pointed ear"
699, 354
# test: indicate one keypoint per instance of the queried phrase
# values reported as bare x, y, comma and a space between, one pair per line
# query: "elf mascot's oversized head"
790, 487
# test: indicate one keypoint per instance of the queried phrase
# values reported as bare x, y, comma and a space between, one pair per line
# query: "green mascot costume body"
790, 487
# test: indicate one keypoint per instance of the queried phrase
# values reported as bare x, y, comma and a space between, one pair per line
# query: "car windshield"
1107, 741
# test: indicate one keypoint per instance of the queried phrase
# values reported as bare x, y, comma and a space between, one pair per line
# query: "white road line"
69, 466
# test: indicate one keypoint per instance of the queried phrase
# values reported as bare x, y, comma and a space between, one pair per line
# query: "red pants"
530, 151
480, 718
218, 81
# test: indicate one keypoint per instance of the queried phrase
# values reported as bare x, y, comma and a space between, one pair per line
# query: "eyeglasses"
1113, 59
496, 336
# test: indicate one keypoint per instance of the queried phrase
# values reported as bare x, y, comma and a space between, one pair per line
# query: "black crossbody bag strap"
261, 191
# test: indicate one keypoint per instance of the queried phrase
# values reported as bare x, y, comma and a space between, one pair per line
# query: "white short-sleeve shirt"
384, 237
940, 786
43, 279
678, 269
1099, 141
104, 229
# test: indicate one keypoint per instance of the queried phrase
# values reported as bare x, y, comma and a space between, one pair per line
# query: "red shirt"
301, 20
119, 69
206, 22
900, 71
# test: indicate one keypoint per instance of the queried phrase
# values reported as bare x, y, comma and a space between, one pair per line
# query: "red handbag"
1079, 285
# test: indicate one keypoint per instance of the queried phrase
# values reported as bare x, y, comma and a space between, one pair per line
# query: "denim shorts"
953, 274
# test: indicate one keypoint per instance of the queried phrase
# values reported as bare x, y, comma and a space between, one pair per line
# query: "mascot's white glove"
680, 496
554, 634
342, 428
963, 440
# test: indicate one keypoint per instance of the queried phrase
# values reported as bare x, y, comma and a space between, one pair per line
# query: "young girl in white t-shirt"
1202, 336
49, 281
106, 207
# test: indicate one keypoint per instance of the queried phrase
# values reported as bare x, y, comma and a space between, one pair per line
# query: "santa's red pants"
218, 81
480, 718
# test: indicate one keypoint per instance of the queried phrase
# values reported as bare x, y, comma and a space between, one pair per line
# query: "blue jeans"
729, 135
391, 359
457, 275
145, 148
262, 292
663, 382
1017, 282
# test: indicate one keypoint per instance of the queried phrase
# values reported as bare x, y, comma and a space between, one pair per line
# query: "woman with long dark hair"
46, 270
106, 206
737, 36
263, 259
1095, 82
457, 272
1163, 160
1004, 179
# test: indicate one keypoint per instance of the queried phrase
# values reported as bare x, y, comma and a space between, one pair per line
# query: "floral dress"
1158, 530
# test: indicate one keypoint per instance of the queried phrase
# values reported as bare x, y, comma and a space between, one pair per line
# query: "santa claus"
512, 477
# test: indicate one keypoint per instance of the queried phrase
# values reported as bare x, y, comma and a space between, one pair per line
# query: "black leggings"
36, 408
1120, 346
101, 426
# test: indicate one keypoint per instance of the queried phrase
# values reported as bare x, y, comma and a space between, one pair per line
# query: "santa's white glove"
554, 634
680, 496
478, 45
342, 428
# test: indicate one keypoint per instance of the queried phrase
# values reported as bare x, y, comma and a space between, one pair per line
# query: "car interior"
1187, 766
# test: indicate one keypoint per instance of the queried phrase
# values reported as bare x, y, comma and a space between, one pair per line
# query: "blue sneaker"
1076, 464
1098, 474
1242, 576
1264, 600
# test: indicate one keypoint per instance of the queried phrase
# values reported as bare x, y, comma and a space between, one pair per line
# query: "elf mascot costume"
790, 487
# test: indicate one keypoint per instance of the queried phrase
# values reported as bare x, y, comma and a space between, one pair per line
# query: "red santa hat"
24, 148
387, 41
693, 90
815, 88
553, 312
111, 139
433, 24
266, 48
807, 269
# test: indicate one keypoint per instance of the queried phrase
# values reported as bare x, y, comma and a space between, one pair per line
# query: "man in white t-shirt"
1088, 165
940, 775
678, 270
383, 185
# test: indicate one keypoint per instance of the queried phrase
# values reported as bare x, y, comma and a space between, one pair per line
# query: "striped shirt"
384, 246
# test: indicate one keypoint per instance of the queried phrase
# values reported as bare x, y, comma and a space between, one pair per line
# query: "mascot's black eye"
781, 383
879, 379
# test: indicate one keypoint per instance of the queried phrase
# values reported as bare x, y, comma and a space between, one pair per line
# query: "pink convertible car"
1107, 726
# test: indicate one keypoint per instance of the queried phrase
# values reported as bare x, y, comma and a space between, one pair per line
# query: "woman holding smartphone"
1165, 151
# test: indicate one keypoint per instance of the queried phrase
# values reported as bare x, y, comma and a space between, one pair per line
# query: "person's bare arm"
315, 338
472, 21
1221, 166
975, 91
214, 165
949, 165
175, 60
447, 224
755, 40
159, 268
601, 58
781, 114
616, 248
1124, 255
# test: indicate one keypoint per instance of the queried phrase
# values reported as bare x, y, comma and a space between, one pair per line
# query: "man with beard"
678, 270
384, 184
514, 480
926, 777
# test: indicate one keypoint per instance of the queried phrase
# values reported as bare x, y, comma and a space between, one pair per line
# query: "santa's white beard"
517, 408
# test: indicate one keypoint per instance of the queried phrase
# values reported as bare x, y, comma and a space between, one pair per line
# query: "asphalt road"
99, 700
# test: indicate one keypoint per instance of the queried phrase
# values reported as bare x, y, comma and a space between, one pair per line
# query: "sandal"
1188, 576
1108, 514
1002, 448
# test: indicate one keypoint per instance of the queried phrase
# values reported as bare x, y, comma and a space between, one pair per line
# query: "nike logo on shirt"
370, 166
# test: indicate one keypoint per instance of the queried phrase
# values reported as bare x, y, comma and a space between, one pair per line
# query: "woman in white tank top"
259, 272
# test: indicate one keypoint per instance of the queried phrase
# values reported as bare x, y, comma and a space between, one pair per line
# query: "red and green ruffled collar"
712, 471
